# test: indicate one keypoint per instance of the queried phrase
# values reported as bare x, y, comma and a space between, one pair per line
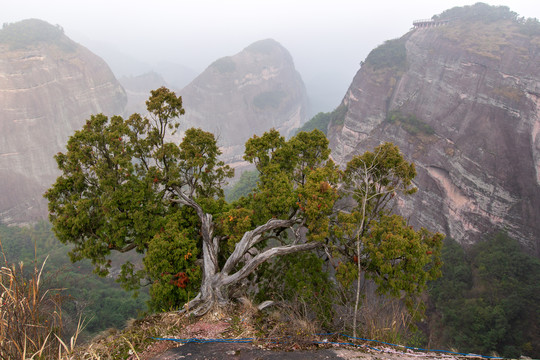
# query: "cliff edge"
461, 100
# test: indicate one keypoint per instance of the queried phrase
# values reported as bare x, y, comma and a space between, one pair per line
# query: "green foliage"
302, 280
235, 222
338, 115
224, 65
410, 123
377, 176
530, 27
398, 258
269, 99
248, 182
490, 302
478, 12
124, 188
171, 261
100, 301
119, 189
31, 32
391, 54
293, 175
371, 243
104, 201
456, 273
319, 121
322, 121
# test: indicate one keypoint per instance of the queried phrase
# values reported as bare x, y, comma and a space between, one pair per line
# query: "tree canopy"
126, 187
488, 299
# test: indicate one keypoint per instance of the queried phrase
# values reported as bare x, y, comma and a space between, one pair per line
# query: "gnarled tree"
126, 187
123, 183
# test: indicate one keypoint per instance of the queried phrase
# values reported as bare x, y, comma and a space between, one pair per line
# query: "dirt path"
239, 351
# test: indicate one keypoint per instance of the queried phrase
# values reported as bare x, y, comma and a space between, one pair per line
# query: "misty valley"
137, 208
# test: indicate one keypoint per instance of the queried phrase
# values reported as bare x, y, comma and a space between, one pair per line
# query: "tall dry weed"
31, 325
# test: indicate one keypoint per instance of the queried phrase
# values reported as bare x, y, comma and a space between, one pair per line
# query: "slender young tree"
373, 242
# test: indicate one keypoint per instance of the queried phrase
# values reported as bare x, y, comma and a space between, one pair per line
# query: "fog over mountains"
327, 39
465, 109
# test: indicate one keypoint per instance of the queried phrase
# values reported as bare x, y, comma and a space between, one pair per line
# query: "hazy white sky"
327, 39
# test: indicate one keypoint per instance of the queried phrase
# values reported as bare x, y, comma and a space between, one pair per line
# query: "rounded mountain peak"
247, 93
265, 46
27, 33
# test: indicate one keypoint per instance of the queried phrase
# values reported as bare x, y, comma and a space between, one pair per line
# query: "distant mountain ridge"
245, 94
462, 101
49, 86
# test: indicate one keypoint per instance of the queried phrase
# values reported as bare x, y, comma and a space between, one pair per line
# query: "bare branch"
251, 238
252, 264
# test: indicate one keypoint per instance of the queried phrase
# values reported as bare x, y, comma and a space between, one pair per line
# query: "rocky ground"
239, 351
219, 336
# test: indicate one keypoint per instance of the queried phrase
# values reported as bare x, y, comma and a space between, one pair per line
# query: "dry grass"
31, 325
386, 321
487, 39
242, 320
136, 341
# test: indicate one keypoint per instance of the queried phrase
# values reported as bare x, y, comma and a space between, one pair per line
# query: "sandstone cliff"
461, 100
246, 94
49, 86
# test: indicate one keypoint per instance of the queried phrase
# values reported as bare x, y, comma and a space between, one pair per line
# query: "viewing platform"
428, 23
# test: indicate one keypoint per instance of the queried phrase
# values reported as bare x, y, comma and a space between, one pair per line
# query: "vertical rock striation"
49, 86
463, 103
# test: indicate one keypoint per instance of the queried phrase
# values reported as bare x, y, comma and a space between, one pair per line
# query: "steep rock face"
49, 86
246, 94
464, 105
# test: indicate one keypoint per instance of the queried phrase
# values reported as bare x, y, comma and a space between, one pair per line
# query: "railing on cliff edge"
428, 23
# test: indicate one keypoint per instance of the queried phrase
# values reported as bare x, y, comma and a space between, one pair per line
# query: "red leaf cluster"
181, 279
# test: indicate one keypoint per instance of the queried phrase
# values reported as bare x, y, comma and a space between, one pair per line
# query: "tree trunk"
358, 251
214, 288
213, 292
212, 295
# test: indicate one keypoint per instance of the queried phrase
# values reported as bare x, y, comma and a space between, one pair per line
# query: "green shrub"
409, 123
337, 117
319, 121
489, 302
170, 263
30, 32
479, 12
300, 280
322, 120
391, 54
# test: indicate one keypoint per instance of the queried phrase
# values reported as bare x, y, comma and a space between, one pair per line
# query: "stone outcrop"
462, 101
246, 94
49, 86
